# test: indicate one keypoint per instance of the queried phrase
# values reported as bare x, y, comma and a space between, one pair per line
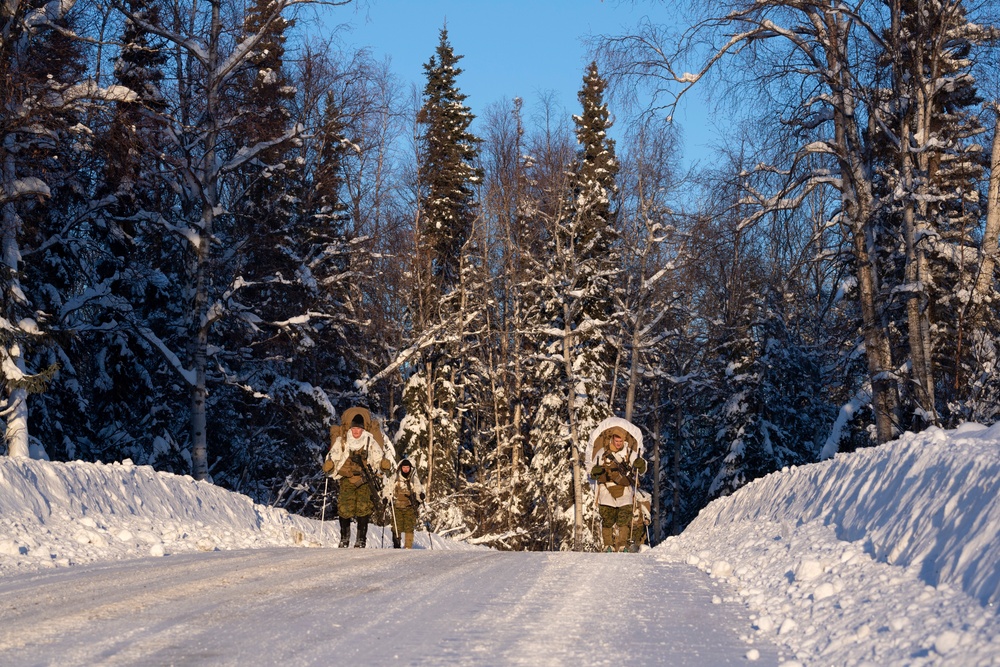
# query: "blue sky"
510, 47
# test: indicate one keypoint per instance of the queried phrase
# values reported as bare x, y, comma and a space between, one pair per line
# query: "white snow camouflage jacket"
389, 490
604, 495
346, 445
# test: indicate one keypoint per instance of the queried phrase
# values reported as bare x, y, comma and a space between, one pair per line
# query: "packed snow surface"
887, 556
384, 607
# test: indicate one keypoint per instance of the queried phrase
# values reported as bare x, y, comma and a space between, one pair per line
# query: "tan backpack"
371, 425
604, 440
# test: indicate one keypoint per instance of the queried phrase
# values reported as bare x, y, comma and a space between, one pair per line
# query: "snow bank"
60, 514
888, 555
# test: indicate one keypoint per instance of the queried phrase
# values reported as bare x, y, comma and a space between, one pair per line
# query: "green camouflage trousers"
354, 501
621, 517
404, 520
615, 516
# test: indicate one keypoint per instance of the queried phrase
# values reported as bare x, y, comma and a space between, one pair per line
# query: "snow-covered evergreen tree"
448, 170
571, 318
225, 84
111, 399
440, 310
944, 165
44, 141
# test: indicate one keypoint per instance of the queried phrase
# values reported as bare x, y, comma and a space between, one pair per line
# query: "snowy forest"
221, 229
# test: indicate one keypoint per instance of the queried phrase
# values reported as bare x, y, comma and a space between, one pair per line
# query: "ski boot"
362, 541
345, 533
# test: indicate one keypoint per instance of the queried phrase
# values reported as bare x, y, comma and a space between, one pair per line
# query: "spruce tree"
448, 174
929, 166
128, 413
448, 168
593, 189
572, 311
951, 164
594, 234
44, 163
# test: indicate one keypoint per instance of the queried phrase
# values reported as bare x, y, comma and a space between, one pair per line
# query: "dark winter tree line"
220, 231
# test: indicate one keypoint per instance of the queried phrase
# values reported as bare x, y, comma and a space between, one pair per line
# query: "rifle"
374, 486
622, 468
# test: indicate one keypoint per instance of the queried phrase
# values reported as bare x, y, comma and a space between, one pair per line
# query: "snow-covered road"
329, 606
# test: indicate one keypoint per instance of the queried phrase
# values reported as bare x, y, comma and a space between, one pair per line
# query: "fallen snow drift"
889, 555
59, 514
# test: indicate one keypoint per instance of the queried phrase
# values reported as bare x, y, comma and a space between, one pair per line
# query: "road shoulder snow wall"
927, 501
82, 512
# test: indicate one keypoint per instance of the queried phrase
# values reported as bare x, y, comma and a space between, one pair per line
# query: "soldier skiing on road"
358, 459
614, 458
405, 493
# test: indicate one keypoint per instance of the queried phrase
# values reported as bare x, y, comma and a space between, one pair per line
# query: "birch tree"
823, 47
203, 160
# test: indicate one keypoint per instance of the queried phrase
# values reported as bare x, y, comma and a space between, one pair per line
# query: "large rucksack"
602, 441
371, 425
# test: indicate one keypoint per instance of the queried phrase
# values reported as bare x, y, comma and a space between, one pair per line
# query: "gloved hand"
597, 471
327, 465
385, 464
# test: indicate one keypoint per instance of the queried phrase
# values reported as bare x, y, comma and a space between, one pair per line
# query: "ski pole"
322, 516
635, 498
381, 515
427, 527
597, 513
395, 527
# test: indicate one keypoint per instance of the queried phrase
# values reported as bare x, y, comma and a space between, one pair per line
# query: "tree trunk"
16, 431
675, 473
857, 199
574, 447
916, 302
209, 205
991, 235
657, 463
633, 373
909, 84
429, 366
879, 355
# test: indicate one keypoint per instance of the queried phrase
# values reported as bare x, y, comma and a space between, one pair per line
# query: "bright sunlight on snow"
885, 556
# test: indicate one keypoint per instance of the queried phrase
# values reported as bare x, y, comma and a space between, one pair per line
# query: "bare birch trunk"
916, 312
429, 366
857, 201
574, 445
916, 275
991, 235
657, 464
675, 474
633, 374
209, 205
